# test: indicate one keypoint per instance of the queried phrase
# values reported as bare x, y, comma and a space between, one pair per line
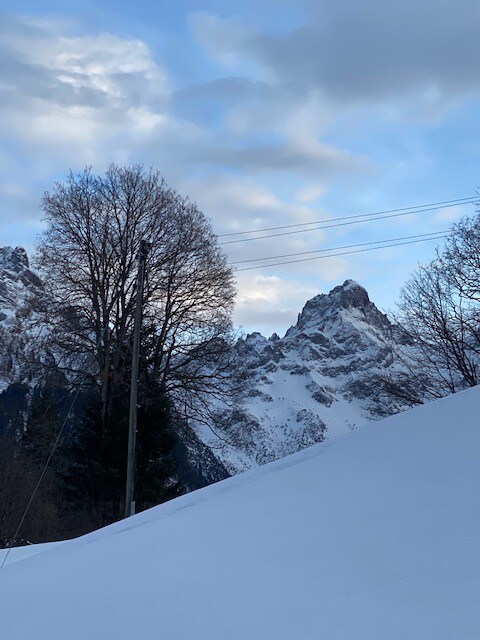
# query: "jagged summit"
348, 302
13, 259
316, 382
16, 280
350, 294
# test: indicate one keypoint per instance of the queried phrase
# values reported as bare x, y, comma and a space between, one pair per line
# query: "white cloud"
92, 99
310, 192
241, 203
256, 143
77, 97
270, 303
452, 214
98, 62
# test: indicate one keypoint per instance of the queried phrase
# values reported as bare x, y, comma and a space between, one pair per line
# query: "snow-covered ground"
7, 556
371, 536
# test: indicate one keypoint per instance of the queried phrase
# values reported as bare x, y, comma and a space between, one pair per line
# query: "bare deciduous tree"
461, 258
88, 259
439, 314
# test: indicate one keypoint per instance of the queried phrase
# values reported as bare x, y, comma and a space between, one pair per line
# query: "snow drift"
369, 536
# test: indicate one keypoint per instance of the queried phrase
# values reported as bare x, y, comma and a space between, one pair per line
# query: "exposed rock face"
18, 347
13, 259
316, 382
16, 280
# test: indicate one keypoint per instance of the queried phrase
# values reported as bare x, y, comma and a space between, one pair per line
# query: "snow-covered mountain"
372, 536
318, 381
18, 345
17, 281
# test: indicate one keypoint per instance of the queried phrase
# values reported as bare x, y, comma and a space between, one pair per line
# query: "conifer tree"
94, 480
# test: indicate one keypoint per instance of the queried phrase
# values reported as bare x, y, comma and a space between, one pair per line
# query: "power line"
344, 253
357, 219
330, 226
465, 200
348, 246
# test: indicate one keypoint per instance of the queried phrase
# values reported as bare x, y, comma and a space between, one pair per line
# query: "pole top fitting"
144, 247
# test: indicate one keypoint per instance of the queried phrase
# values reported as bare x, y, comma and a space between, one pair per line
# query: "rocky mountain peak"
350, 294
318, 381
255, 339
13, 259
16, 280
321, 308
348, 300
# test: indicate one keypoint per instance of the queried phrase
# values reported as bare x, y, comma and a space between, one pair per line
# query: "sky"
265, 113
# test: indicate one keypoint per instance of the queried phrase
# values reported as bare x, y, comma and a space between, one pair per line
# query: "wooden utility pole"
132, 422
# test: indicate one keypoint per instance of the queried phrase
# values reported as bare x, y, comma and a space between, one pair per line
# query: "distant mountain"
318, 381
16, 281
19, 348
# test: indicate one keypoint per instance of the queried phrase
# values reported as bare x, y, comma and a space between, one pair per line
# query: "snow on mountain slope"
317, 382
17, 342
16, 280
371, 536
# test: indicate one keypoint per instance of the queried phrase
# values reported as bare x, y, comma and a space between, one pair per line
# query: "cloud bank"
301, 114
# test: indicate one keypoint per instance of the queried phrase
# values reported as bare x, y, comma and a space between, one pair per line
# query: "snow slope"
7, 556
371, 536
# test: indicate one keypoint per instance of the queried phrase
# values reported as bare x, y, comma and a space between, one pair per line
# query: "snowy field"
372, 536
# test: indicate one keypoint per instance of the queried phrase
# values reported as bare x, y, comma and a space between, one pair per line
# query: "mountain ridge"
317, 381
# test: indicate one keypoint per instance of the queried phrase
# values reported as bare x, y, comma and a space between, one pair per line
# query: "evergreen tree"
23, 455
95, 479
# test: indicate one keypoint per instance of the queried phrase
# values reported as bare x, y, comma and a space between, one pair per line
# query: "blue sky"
266, 113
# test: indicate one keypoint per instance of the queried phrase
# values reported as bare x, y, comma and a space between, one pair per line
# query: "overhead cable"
343, 253
350, 220
434, 234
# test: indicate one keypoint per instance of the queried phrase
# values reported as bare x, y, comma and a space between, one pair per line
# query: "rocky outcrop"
19, 344
17, 281
318, 381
